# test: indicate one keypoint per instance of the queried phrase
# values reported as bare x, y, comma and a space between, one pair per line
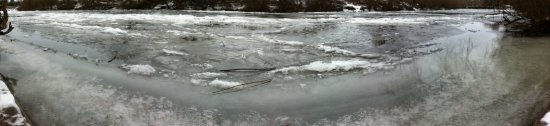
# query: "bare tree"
4, 24
256, 5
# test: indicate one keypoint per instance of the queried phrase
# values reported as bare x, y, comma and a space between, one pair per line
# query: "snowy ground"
166, 67
11, 114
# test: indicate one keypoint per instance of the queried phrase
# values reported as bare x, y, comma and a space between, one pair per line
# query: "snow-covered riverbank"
10, 113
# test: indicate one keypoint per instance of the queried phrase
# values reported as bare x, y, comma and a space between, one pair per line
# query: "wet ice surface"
393, 68
180, 44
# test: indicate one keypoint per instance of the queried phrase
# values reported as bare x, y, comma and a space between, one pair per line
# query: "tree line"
248, 5
229, 5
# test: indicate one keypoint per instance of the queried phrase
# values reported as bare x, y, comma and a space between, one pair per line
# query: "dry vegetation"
536, 12
528, 17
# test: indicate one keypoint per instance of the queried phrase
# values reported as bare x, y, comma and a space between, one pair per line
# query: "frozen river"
228, 68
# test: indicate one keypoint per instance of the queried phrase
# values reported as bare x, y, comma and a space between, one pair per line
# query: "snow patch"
546, 119
237, 37
321, 66
223, 84
139, 69
6, 98
356, 8
7, 101
114, 30
330, 49
161, 42
334, 65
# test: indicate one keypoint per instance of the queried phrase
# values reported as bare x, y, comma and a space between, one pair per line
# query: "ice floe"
139, 69
237, 37
223, 84
330, 49
161, 42
114, 30
322, 66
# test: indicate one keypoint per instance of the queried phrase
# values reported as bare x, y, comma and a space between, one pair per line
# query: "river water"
166, 68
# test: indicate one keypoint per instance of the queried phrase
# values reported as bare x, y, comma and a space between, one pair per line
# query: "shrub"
95, 4
66, 4
37, 4
442, 4
256, 6
537, 12
324, 5
285, 6
139, 4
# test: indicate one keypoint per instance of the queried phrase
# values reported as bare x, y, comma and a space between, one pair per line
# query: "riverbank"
11, 114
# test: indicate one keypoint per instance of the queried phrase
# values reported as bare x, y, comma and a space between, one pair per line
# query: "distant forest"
250, 5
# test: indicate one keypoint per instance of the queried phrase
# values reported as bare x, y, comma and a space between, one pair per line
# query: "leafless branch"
4, 24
